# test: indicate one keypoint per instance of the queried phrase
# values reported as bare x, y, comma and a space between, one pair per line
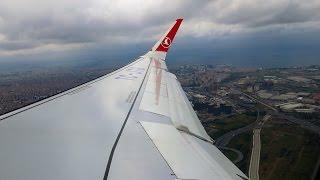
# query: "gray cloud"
27, 25
17, 45
259, 12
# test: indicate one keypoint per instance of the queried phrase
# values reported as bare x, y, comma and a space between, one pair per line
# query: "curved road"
239, 153
256, 126
223, 140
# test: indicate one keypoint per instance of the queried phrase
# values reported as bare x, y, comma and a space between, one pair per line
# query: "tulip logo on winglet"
166, 42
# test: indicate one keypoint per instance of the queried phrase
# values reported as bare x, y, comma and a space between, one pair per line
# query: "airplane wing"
134, 123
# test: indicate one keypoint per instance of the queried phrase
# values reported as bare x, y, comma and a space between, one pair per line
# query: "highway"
257, 100
256, 149
255, 155
256, 126
223, 140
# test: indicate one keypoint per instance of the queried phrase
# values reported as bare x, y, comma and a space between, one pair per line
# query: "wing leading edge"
100, 130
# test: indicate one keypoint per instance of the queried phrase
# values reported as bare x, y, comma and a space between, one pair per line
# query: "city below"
264, 120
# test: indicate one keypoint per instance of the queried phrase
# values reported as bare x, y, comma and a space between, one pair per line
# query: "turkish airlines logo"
166, 42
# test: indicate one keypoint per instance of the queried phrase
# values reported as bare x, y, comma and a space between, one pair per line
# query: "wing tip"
179, 19
165, 42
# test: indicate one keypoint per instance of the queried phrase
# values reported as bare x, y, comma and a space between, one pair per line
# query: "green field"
230, 154
243, 144
288, 152
222, 126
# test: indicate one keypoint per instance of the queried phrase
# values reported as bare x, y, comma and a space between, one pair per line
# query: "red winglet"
165, 43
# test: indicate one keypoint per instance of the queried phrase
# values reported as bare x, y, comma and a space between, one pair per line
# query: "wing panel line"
124, 124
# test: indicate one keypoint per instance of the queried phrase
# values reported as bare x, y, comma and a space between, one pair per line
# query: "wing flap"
181, 112
185, 157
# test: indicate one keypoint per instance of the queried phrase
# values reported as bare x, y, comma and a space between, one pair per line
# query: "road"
257, 125
255, 156
239, 153
256, 149
257, 100
223, 140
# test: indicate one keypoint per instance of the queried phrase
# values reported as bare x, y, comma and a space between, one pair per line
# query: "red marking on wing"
158, 77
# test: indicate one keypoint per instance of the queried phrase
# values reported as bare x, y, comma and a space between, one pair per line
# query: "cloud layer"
31, 26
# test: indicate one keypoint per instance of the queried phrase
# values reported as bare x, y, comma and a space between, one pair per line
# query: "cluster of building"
293, 91
218, 91
215, 106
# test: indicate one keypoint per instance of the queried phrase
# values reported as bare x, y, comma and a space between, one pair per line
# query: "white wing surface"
134, 123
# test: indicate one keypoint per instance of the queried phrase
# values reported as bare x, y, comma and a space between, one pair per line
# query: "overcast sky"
45, 26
